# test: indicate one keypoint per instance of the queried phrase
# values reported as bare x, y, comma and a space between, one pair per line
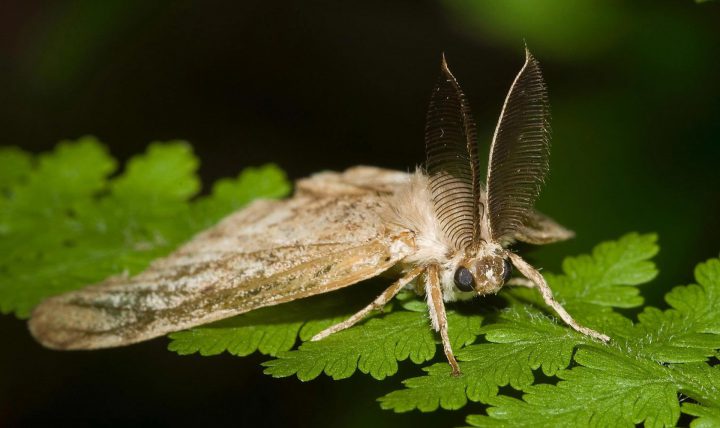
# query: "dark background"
325, 85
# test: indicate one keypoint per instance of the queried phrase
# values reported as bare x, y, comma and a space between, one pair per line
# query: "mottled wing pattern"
519, 152
271, 252
358, 180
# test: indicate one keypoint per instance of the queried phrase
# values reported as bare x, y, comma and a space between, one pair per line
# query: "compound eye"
507, 270
464, 279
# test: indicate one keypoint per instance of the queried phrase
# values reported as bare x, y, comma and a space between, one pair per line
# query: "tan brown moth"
442, 227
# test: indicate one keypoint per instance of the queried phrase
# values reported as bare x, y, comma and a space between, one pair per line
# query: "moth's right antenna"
520, 151
452, 161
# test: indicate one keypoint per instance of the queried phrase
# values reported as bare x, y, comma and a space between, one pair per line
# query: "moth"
442, 228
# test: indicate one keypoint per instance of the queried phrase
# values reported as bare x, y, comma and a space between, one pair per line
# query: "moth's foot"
453, 364
344, 324
592, 333
323, 334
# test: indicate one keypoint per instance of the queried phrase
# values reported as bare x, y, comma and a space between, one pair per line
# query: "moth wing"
358, 180
538, 229
268, 253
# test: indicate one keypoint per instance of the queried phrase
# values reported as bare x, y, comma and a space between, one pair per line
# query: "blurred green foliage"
64, 224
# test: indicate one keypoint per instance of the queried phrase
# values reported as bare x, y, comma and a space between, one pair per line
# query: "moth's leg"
436, 307
520, 282
539, 281
378, 303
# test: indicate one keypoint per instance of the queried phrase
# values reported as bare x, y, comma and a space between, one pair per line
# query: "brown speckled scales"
328, 236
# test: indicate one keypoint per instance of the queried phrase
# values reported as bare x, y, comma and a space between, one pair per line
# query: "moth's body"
441, 228
411, 208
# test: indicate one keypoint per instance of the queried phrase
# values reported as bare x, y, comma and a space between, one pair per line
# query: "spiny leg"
539, 281
378, 303
436, 307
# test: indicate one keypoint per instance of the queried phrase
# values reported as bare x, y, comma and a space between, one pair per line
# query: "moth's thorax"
412, 208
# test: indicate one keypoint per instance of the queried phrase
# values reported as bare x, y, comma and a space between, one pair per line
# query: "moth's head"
485, 273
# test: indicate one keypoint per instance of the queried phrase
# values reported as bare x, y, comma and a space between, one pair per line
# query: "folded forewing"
358, 180
269, 253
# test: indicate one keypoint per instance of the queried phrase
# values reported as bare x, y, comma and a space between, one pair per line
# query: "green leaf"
267, 181
64, 224
269, 330
166, 173
374, 347
699, 381
631, 381
527, 341
55, 186
15, 165
707, 417
266, 330
608, 276
611, 388
690, 330
614, 394
439, 389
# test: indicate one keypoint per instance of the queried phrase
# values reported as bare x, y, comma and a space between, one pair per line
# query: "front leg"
376, 304
438, 317
539, 281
